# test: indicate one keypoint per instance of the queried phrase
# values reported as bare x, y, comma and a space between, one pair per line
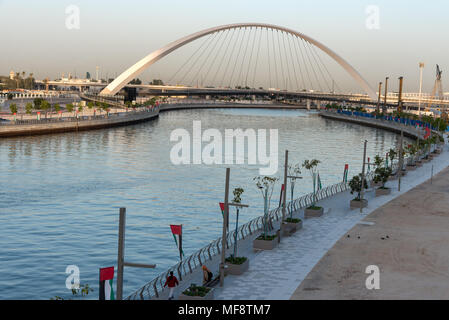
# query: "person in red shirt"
172, 282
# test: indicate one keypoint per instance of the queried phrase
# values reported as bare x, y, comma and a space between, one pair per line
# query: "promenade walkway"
277, 274
407, 239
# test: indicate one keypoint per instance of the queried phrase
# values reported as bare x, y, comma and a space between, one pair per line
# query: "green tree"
29, 108
356, 185
13, 108
37, 103
90, 104
45, 105
312, 165
69, 107
266, 187
382, 173
57, 107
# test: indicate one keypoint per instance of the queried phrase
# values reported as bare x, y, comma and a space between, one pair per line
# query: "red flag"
221, 207
427, 133
346, 166
106, 273
176, 229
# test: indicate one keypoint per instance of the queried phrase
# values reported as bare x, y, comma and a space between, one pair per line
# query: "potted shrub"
236, 265
313, 210
267, 240
382, 173
195, 292
356, 187
291, 225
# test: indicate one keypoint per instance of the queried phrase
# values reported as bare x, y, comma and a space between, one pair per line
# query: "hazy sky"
115, 34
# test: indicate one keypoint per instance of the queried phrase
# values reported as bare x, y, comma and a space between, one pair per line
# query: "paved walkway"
277, 274
407, 239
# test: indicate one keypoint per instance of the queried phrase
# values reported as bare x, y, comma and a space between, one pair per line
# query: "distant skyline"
116, 34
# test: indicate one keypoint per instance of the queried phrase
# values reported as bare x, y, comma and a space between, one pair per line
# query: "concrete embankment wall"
229, 106
81, 125
409, 132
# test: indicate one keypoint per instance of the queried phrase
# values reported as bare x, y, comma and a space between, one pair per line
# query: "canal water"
60, 194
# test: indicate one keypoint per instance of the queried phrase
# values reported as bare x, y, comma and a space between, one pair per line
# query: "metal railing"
197, 259
77, 119
187, 266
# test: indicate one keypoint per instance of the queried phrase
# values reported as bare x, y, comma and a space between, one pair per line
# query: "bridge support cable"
274, 59
223, 57
198, 73
239, 77
230, 57
311, 65
283, 80
269, 59
289, 70
298, 43
330, 75
199, 56
257, 58
215, 56
293, 63
190, 58
250, 59
297, 61
313, 53
237, 58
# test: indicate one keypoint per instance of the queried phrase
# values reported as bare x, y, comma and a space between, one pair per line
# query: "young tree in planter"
411, 150
356, 186
312, 165
13, 108
69, 107
266, 187
45, 105
392, 155
293, 171
29, 108
237, 199
382, 173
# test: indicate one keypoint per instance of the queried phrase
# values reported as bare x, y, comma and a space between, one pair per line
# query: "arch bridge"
289, 60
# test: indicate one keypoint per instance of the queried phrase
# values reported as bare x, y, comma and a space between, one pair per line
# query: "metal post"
401, 80
284, 195
431, 175
385, 97
121, 253
421, 66
225, 223
363, 177
401, 159
180, 245
378, 99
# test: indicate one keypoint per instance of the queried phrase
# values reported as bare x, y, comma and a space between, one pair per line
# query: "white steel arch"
136, 69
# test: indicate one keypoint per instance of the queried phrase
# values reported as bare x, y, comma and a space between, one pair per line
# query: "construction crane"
437, 86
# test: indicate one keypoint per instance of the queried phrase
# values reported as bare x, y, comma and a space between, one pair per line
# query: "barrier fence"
197, 259
153, 289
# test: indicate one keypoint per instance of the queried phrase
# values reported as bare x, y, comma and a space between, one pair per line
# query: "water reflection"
61, 193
